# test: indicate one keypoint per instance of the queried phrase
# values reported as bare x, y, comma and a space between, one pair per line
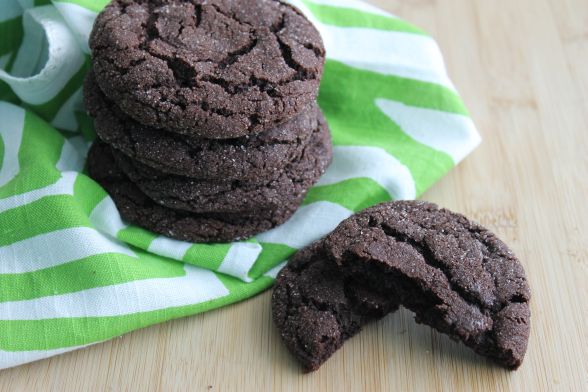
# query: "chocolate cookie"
316, 308
453, 274
250, 157
207, 68
136, 208
183, 193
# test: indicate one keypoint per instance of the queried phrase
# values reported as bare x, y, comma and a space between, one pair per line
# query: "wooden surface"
522, 67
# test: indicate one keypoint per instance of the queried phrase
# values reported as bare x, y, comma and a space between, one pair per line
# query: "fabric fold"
73, 273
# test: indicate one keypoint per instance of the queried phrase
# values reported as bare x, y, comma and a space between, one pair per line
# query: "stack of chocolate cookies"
206, 115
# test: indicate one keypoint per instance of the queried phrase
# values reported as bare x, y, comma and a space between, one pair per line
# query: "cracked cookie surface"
263, 155
136, 208
289, 186
455, 275
316, 309
214, 69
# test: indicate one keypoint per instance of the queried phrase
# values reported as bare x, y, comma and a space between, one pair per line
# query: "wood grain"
522, 67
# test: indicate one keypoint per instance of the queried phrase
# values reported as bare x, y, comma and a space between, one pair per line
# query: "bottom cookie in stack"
137, 208
207, 211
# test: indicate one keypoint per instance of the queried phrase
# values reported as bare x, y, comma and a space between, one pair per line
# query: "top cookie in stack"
206, 114
212, 69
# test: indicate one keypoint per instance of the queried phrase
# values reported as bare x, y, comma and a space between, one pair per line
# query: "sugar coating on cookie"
248, 158
207, 68
136, 208
288, 186
316, 309
455, 275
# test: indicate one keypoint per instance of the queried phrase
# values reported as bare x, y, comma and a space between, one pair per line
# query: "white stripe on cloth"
73, 155
168, 247
47, 59
5, 59
273, 273
10, 359
65, 118
408, 72
79, 19
11, 130
453, 134
239, 260
106, 218
64, 186
401, 54
10, 10
308, 224
25, 4
373, 163
413, 56
40, 252
81, 145
197, 286
30, 61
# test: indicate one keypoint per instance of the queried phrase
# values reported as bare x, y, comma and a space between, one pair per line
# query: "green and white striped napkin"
73, 274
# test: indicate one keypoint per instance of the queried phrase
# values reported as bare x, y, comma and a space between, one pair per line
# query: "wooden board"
522, 67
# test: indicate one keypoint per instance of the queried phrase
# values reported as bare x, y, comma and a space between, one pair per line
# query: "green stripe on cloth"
344, 193
92, 5
48, 214
7, 95
27, 335
209, 256
11, 32
410, 92
136, 236
87, 194
94, 271
240, 290
350, 17
49, 109
271, 256
358, 121
39, 153
86, 125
